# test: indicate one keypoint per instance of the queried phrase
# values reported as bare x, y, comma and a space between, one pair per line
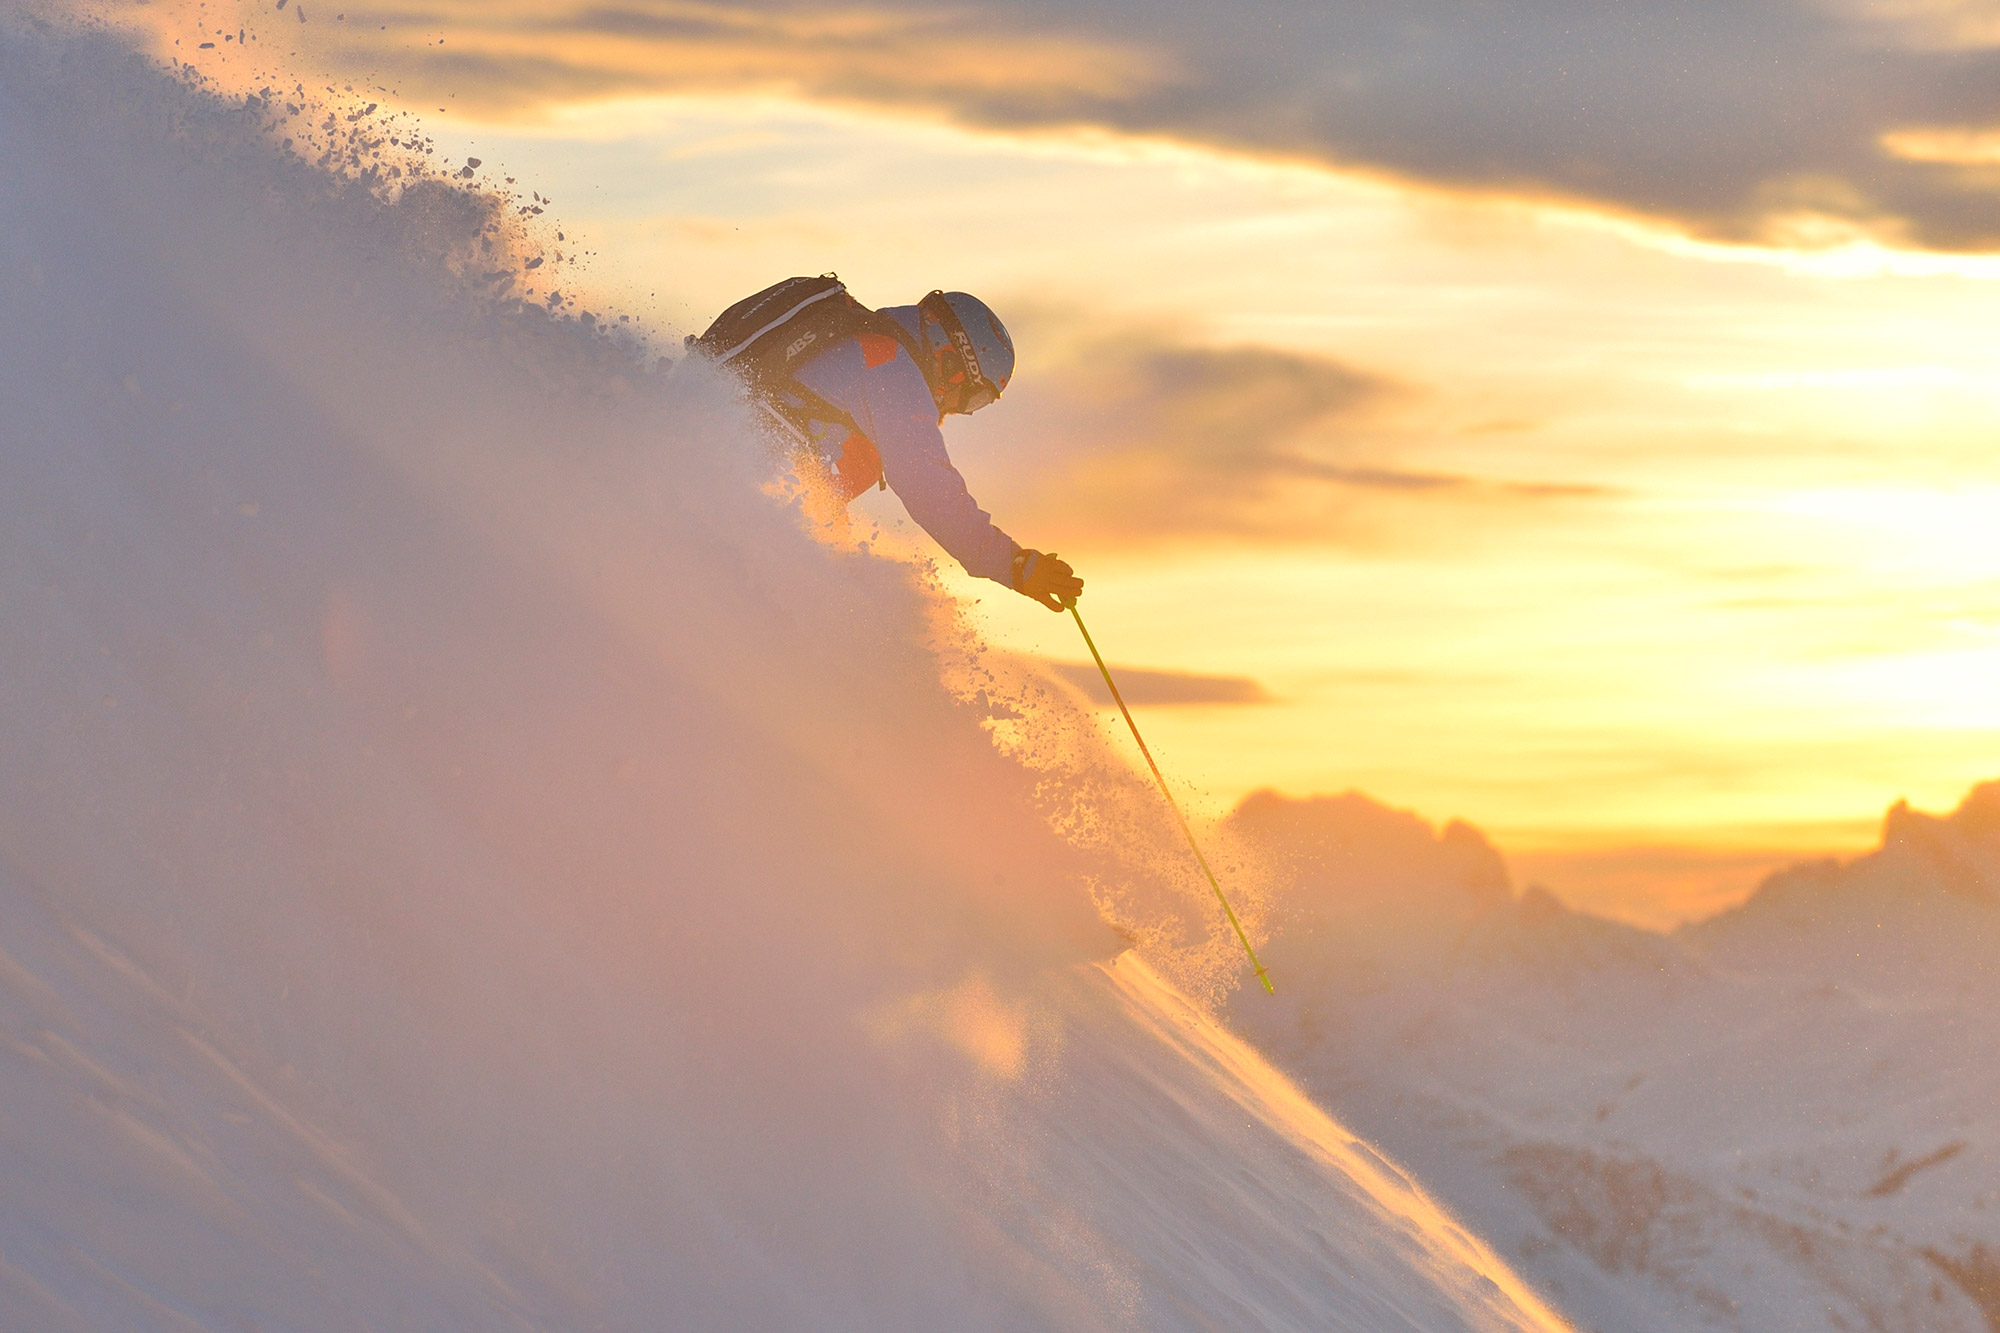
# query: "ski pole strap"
1172, 804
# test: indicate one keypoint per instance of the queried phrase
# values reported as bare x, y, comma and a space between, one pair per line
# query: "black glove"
1047, 578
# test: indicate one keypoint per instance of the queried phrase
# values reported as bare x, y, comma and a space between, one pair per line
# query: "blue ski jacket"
896, 441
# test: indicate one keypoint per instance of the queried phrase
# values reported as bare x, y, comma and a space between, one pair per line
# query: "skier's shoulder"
871, 361
890, 341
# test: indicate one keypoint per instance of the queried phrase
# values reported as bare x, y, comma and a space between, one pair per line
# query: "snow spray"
1172, 804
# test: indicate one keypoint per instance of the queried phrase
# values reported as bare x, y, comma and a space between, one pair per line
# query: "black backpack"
767, 338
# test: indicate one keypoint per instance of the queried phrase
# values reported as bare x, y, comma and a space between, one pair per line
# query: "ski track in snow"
470, 860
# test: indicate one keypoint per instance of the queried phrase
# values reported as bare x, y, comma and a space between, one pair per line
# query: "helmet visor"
975, 396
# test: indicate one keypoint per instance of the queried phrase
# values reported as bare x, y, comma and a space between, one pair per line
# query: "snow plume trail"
469, 859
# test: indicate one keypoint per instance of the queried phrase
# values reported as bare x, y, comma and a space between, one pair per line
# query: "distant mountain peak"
1351, 850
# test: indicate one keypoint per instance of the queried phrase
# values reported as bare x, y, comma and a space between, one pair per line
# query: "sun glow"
1634, 540
1687, 597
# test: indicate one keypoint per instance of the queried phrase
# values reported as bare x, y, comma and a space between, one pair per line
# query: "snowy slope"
469, 858
1787, 1117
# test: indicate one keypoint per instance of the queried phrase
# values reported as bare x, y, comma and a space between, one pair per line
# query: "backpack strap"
810, 407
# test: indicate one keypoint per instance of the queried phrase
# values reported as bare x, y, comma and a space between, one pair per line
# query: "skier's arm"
895, 410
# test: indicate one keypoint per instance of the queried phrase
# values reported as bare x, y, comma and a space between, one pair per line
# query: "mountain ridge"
1780, 1116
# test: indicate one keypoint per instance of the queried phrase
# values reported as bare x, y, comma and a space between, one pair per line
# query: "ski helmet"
976, 359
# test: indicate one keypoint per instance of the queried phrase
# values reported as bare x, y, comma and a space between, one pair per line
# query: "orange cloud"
1955, 146
1762, 121
1141, 440
511, 57
1140, 686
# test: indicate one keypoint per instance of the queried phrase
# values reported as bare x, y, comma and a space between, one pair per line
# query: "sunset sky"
1577, 419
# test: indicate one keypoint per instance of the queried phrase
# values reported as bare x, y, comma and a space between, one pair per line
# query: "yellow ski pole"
1172, 804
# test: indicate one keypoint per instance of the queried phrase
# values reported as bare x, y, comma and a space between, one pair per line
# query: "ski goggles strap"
978, 389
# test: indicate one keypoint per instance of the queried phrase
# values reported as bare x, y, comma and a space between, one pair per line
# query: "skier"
862, 393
